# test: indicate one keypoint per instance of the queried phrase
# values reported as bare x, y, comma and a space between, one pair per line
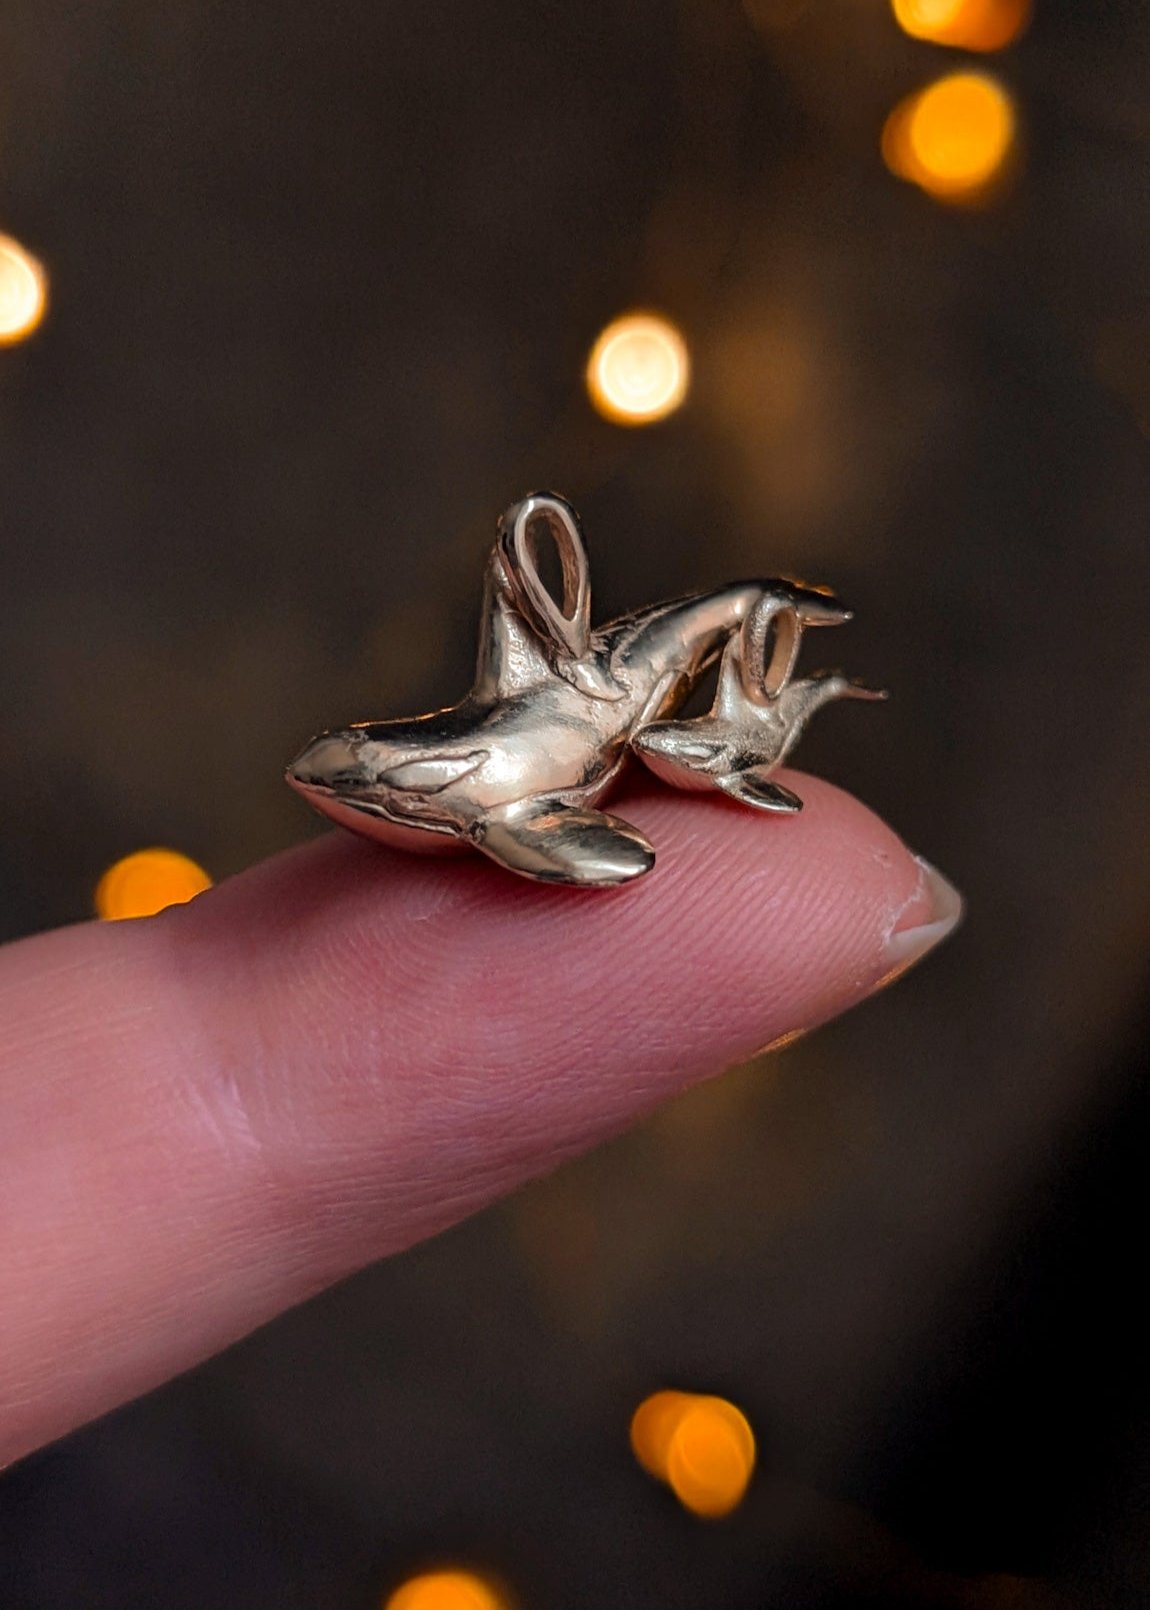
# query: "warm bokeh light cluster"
147, 881
701, 1446
965, 24
639, 370
23, 292
954, 139
446, 1590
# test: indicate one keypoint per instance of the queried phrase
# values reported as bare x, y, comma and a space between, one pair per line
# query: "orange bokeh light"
965, 24
702, 1447
954, 139
652, 1427
23, 292
147, 881
445, 1590
639, 370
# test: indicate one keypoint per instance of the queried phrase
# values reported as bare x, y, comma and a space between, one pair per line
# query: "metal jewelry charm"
759, 713
517, 769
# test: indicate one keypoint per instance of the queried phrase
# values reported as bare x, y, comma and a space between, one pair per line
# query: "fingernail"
930, 913
937, 910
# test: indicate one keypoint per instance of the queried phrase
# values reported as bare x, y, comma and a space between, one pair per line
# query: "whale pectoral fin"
558, 843
752, 787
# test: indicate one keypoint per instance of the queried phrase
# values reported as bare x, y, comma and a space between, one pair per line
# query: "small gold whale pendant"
518, 767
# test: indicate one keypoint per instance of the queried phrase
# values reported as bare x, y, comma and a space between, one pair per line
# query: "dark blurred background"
322, 284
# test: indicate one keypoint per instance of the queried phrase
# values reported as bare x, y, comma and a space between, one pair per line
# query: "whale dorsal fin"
510, 653
730, 694
759, 660
526, 630
565, 622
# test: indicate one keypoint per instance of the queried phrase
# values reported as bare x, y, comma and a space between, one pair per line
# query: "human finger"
207, 1116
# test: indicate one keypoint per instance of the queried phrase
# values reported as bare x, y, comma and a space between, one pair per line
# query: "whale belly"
424, 839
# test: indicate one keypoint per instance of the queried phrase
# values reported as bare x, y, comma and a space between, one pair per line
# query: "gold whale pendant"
518, 768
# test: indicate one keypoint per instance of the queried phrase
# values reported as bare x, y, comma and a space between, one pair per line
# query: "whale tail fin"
799, 700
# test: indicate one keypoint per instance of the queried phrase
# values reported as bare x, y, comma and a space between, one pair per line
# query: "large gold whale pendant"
518, 768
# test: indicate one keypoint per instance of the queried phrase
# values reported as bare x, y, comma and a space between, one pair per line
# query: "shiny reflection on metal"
759, 713
518, 768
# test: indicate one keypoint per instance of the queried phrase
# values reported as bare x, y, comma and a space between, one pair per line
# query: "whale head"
689, 754
387, 770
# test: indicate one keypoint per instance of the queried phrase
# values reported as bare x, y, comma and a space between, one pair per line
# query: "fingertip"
788, 919
525, 1020
349, 1048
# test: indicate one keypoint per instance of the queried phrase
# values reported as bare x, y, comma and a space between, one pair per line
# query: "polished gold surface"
759, 712
519, 767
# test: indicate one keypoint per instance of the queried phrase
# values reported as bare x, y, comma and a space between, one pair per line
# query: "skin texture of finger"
209, 1115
